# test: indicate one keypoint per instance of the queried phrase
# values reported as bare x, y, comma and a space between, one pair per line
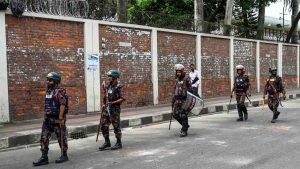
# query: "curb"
76, 132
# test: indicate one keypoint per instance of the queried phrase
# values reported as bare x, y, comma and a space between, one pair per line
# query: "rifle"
276, 94
230, 98
171, 115
170, 120
229, 105
105, 108
263, 106
195, 80
98, 131
61, 139
248, 99
106, 98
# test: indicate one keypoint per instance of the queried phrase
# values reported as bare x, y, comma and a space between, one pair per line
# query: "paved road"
214, 142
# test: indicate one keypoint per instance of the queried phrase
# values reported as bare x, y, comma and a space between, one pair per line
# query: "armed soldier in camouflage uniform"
241, 88
112, 108
183, 85
56, 108
273, 88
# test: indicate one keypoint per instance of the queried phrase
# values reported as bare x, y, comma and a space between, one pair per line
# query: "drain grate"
78, 133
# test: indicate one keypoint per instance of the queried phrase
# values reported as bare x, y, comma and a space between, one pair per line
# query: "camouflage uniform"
54, 98
241, 85
183, 84
273, 88
114, 93
111, 112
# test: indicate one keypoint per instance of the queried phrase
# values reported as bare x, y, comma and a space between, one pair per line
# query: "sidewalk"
80, 126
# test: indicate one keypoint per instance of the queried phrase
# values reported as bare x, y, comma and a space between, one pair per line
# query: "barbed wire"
81, 9
73, 8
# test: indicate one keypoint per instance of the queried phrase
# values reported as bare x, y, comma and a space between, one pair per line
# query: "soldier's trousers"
273, 104
113, 119
49, 126
242, 109
181, 116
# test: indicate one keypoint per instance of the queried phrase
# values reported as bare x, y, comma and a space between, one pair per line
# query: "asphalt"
215, 141
27, 133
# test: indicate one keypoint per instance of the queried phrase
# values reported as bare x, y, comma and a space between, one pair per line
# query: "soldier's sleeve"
248, 82
122, 93
61, 96
189, 84
234, 85
173, 97
266, 86
280, 85
104, 96
173, 102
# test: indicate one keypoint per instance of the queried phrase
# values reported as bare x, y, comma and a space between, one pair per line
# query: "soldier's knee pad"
183, 115
104, 129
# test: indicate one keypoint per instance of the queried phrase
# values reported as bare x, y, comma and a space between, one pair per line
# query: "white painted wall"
298, 62
258, 66
4, 103
198, 61
231, 62
279, 62
92, 77
154, 55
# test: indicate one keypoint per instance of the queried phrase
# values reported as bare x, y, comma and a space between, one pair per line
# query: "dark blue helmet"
271, 69
55, 76
113, 73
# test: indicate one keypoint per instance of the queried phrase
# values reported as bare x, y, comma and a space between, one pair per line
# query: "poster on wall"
93, 62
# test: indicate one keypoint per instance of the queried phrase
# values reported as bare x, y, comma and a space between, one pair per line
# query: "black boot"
245, 116
239, 119
118, 145
42, 161
245, 113
105, 145
276, 115
62, 158
183, 133
240, 114
273, 121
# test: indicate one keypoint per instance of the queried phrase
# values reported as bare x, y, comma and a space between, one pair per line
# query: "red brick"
36, 47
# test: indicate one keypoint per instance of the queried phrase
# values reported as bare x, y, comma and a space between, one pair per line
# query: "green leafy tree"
294, 6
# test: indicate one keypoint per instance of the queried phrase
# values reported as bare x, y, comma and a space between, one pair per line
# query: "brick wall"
245, 54
172, 49
268, 57
36, 47
215, 67
289, 66
129, 51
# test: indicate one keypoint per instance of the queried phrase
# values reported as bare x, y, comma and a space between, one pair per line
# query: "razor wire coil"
73, 8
